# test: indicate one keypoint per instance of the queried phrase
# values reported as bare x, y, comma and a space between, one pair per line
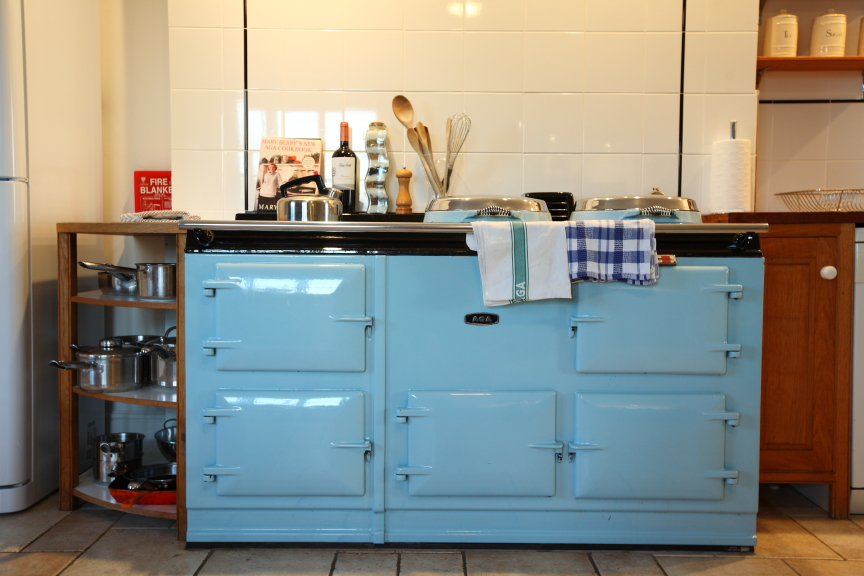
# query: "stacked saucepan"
146, 281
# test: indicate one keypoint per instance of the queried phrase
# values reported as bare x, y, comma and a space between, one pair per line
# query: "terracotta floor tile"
419, 564
18, 529
76, 532
36, 564
859, 520
269, 562
843, 536
136, 521
827, 567
779, 536
383, 564
626, 564
137, 553
684, 566
513, 562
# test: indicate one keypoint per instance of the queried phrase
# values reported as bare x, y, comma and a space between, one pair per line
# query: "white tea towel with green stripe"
522, 261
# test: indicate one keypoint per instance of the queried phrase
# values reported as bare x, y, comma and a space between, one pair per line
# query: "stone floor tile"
513, 562
18, 529
843, 536
137, 553
781, 537
35, 564
138, 521
827, 567
689, 566
859, 520
621, 563
383, 563
76, 532
419, 564
269, 562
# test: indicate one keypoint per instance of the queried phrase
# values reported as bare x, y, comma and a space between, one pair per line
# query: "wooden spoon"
414, 140
404, 111
426, 140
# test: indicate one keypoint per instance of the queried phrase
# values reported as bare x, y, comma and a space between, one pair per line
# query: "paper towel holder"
733, 125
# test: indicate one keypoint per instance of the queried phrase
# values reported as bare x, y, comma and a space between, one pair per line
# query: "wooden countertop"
120, 228
786, 217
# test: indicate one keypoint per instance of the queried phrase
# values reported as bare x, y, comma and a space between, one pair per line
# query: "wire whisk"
457, 131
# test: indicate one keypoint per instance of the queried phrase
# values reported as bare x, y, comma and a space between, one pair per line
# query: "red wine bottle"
344, 163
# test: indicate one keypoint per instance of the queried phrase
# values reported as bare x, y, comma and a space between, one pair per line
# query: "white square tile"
691, 178
845, 131
614, 123
252, 177
233, 64
433, 61
660, 171
196, 120
661, 123
493, 61
766, 201
265, 60
313, 115
233, 120
801, 131
611, 175
663, 63
562, 73
433, 15
553, 123
192, 61
193, 14
373, 15
233, 188
693, 134
500, 15
723, 15
695, 62
552, 173
196, 176
326, 72
793, 175
491, 174
266, 13
265, 116
845, 174
555, 15
615, 15
433, 109
765, 129
232, 13
361, 108
496, 122
359, 75
664, 16
817, 85
318, 15
721, 109
614, 62
729, 63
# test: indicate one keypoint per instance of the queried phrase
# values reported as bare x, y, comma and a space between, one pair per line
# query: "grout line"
333, 563
464, 564
593, 563
203, 562
70, 563
398, 563
791, 567
657, 562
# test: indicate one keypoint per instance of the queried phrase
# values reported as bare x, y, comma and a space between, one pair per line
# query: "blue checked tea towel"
609, 250
521, 261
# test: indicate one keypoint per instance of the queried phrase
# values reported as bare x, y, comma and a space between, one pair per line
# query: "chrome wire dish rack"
834, 200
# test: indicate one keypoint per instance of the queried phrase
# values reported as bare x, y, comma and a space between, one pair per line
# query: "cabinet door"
800, 376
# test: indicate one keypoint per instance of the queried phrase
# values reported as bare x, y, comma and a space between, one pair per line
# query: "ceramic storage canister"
781, 35
828, 36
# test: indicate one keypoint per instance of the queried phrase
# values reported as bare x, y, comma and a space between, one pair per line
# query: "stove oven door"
289, 317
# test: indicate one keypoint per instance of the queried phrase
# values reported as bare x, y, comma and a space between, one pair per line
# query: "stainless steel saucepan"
154, 281
164, 350
109, 367
114, 282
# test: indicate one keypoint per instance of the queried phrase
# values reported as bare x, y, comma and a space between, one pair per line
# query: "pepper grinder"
403, 199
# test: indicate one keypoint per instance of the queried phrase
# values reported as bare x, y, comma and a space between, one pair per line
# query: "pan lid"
512, 204
656, 198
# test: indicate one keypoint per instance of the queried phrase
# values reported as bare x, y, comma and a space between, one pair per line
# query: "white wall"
578, 95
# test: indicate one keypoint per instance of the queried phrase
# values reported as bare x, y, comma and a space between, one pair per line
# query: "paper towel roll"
730, 177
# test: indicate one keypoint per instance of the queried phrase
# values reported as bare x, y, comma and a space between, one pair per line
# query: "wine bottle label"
343, 173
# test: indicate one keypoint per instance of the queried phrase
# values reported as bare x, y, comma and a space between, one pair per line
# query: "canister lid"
107, 348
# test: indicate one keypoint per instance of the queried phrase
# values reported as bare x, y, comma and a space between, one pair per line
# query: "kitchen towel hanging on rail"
612, 250
521, 261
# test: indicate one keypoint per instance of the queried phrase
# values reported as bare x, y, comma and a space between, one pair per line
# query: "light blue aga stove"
345, 384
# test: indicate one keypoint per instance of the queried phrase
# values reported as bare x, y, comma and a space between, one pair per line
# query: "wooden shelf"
88, 490
119, 228
101, 299
809, 63
163, 397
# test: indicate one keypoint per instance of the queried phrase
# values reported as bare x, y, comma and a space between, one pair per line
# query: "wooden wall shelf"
146, 396
809, 63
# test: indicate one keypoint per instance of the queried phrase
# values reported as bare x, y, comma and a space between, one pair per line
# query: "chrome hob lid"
656, 198
513, 204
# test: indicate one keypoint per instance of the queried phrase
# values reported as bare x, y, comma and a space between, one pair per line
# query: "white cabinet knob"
828, 272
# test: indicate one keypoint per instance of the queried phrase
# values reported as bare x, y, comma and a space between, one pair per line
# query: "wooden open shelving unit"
72, 485
809, 63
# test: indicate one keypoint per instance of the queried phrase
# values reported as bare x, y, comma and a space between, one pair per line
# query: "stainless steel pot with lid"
324, 206
164, 350
153, 281
108, 367
656, 206
466, 209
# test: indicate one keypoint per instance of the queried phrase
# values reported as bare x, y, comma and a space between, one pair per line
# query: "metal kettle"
323, 206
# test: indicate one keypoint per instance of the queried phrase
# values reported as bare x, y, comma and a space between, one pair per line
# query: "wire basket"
835, 200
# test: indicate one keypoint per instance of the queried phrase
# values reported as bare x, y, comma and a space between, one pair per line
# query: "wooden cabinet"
72, 485
806, 351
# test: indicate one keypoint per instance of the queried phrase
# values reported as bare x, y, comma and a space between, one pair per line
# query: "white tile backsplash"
497, 15
553, 123
232, 181
324, 71
492, 174
233, 119
661, 124
265, 116
359, 73
266, 61
308, 114
543, 73
845, 174
614, 123
433, 15
194, 60
615, 62
846, 131
193, 14
373, 15
616, 15
729, 63
317, 15
496, 122
267, 13
663, 63
433, 109
611, 175
433, 61
553, 173
555, 15
493, 61
660, 171
800, 132
232, 59
197, 119
664, 16
361, 108
722, 15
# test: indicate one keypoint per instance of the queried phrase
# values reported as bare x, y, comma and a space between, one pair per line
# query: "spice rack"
72, 485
